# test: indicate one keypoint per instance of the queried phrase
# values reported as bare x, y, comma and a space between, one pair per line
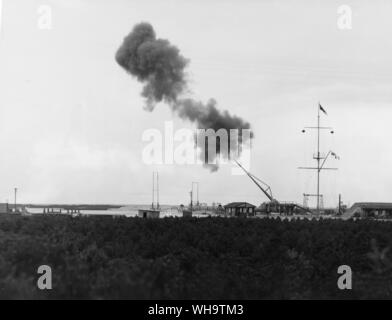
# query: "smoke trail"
160, 66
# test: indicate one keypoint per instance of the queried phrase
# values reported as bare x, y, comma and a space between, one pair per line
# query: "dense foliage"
102, 257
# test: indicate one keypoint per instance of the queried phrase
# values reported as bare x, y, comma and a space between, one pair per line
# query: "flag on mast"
322, 109
335, 155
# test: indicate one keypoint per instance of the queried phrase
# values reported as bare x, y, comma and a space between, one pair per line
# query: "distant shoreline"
74, 206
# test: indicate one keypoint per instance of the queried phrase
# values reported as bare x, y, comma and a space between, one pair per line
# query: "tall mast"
157, 190
198, 194
318, 159
153, 189
15, 191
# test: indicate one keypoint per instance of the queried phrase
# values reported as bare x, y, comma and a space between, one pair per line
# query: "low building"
283, 208
4, 208
239, 209
148, 213
369, 210
187, 213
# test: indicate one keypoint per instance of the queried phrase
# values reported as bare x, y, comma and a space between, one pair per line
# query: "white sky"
71, 120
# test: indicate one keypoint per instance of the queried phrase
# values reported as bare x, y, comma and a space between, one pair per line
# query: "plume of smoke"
208, 116
161, 68
155, 62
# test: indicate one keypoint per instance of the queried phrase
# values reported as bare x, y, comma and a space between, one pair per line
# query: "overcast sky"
71, 120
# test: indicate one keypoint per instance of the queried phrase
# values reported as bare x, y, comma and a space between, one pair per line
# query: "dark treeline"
102, 257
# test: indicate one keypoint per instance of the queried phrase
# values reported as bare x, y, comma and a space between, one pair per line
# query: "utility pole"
197, 192
318, 157
340, 204
157, 190
191, 194
198, 203
153, 189
15, 191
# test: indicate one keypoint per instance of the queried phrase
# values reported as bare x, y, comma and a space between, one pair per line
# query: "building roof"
373, 205
239, 205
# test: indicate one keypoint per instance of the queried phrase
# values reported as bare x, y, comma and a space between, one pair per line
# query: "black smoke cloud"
161, 68
155, 62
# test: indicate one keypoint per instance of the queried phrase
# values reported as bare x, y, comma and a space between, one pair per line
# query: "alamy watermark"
44, 21
44, 282
345, 280
44, 17
345, 20
197, 147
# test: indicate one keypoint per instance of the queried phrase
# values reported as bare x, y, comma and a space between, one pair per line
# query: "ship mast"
318, 157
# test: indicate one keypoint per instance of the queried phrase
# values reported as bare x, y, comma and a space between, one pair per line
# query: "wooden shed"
239, 209
148, 213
